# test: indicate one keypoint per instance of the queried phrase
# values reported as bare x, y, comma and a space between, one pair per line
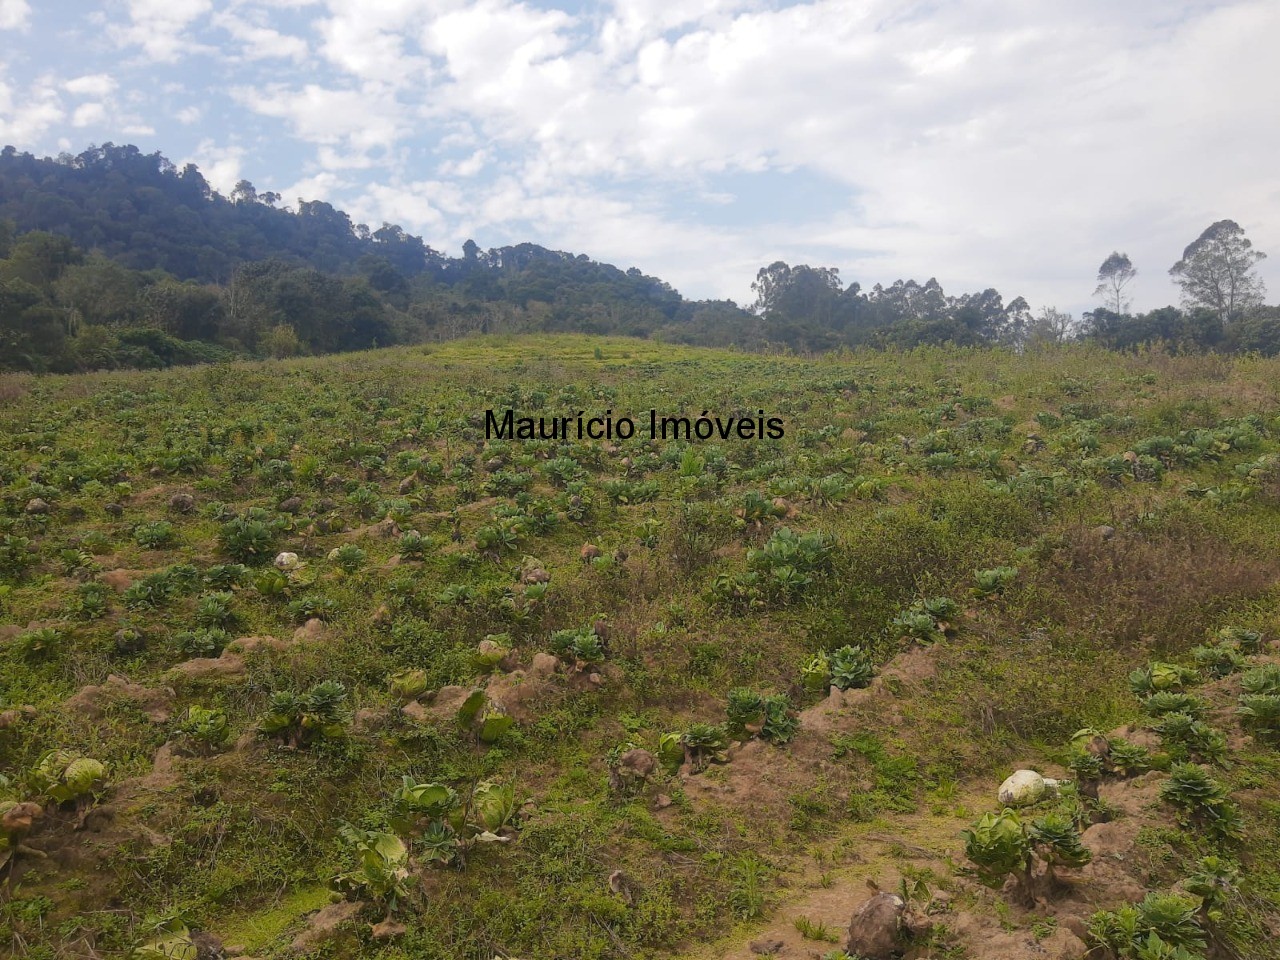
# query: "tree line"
115, 258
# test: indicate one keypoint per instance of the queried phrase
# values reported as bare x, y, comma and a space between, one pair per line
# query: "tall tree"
1216, 272
1114, 274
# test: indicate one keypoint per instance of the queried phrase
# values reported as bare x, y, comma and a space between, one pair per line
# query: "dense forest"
116, 258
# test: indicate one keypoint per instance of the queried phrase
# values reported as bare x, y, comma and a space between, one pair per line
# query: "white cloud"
91, 85
162, 27
258, 41
187, 115
221, 165
89, 114
26, 116
14, 14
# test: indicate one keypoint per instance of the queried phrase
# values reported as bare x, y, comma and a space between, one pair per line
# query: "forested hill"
116, 258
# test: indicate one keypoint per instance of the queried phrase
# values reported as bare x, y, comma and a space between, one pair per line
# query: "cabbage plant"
65, 776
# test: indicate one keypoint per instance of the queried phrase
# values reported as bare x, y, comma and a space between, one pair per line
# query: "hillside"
294, 661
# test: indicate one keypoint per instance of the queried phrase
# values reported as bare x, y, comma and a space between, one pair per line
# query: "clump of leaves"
154, 534
1157, 677
301, 719
1213, 881
852, 667
745, 711
780, 720
381, 866
39, 644
583, 645
348, 557
1262, 680
65, 776
1260, 712
1128, 759
214, 610
998, 846
1218, 661
1167, 701
815, 675
704, 743
1246, 641
1057, 840
247, 541
1185, 734
409, 684
205, 728
990, 582
1193, 789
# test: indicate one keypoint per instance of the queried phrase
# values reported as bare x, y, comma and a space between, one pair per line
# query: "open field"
981, 548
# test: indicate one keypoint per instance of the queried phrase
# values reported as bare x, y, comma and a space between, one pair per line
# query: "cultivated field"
279, 638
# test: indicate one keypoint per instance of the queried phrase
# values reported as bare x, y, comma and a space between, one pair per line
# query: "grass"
697, 591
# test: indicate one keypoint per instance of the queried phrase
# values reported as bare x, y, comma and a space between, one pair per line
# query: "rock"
407, 484
1025, 787
388, 929
875, 932
1104, 532
416, 711
544, 665
385, 528
589, 551
292, 506
325, 925
766, 946
37, 506
117, 580
623, 886
535, 575
314, 630
286, 561
595, 680
114, 509
182, 503
662, 801
633, 768
93, 700
18, 819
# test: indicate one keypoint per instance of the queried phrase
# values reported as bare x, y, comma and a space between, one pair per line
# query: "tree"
1216, 272
1051, 325
1114, 274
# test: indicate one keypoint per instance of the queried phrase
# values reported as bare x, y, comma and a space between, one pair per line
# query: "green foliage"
993, 581
301, 719
997, 845
64, 775
381, 866
1263, 680
852, 667
1057, 840
1158, 677
205, 727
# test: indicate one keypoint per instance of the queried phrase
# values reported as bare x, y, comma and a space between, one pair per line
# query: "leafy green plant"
1168, 701
206, 728
852, 668
815, 675
1218, 661
65, 776
381, 866
1194, 790
1246, 641
993, 581
301, 719
780, 721
1057, 841
214, 610
154, 534
1128, 759
704, 743
998, 846
1158, 677
745, 711
1262, 680
1260, 712
247, 541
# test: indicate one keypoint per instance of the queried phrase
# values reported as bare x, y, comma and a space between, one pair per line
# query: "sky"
1005, 143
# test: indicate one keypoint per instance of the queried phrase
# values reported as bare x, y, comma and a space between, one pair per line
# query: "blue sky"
1011, 143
